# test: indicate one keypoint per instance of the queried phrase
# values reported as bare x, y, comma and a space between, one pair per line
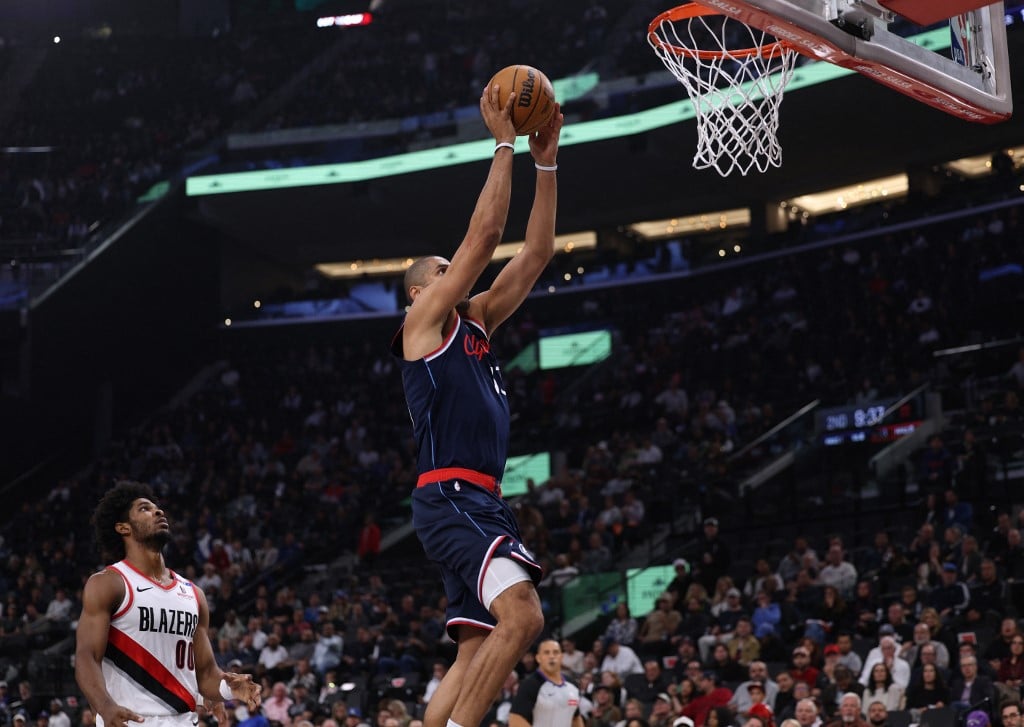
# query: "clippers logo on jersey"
460, 385
960, 35
477, 347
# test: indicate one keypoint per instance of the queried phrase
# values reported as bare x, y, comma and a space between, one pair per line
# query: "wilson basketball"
535, 97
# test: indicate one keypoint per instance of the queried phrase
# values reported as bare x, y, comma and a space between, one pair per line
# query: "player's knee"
519, 607
534, 625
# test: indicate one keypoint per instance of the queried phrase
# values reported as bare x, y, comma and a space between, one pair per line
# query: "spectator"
802, 670
369, 540
956, 512
58, 717
885, 653
649, 684
273, 658
999, 648
845, 681
620, 660
837, 572
988, 594
1011, 668
1009, 713
662, 711
758, 673
799, 558
847, 656
878, 714
785, 700
713, 556
328, 650
849, 712
604, 713
806, 714
951, 598
757, 698
724, 666
767, 616
969, 687
660, 624
937, 464
927, 689
910, 650
709, 695
724, 625
276, 708
572, 658
882, 688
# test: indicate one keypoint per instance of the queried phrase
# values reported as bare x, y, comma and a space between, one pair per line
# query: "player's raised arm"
434, 297
518, 277
102, 594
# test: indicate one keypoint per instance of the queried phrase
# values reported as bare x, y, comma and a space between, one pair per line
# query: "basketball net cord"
736, 94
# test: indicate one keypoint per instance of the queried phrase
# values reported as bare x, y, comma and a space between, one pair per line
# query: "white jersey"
149, 665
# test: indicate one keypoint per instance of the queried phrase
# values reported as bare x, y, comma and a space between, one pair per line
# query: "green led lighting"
584, 132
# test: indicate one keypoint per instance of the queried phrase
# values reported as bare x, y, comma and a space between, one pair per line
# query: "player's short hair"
416, 273
113, 508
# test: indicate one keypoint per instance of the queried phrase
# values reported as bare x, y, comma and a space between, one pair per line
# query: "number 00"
184, 655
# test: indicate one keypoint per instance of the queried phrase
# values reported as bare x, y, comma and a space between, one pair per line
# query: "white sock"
452, 723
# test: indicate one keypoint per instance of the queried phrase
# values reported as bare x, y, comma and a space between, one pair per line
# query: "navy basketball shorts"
462, 527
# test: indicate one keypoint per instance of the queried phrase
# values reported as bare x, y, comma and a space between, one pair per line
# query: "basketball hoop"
736, 91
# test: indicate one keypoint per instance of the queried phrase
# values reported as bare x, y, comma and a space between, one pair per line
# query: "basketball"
535, 96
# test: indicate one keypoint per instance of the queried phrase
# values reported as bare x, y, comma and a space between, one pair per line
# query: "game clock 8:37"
839, 419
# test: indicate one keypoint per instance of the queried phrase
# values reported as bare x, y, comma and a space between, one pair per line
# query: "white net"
736, 93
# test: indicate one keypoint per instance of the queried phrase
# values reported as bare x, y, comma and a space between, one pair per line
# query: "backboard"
973, 84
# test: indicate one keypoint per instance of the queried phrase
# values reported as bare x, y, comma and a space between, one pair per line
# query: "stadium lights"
853, 195
573, 242
344, 21
981, 165
704, 222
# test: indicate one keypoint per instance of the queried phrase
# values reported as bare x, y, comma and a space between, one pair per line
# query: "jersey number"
494, 379
184, 655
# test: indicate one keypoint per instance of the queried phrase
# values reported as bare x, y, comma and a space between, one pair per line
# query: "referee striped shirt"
543, 703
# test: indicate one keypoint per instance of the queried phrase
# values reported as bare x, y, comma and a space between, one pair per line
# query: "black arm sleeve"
526, 697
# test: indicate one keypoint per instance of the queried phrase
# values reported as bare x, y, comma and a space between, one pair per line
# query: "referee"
546, 698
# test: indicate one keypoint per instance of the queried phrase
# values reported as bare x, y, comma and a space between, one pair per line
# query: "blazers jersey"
149, 665
457, 402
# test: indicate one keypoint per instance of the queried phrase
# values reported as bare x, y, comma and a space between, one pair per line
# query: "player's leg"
440, 706
520, 621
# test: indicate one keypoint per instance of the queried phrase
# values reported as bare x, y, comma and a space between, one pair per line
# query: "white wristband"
542, 168
225, 691
507, 144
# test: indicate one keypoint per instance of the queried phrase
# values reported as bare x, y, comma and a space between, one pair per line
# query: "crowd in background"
285, 460
110, 116
290, 457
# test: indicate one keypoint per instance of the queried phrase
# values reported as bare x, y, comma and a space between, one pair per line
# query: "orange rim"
694, 10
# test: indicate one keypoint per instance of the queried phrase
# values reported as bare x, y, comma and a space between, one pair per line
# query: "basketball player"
546, 698
460, 417
143, 645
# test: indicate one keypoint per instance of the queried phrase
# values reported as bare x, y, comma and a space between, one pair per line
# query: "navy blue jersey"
457, 402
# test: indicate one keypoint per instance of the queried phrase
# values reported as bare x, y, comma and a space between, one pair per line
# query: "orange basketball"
535, 97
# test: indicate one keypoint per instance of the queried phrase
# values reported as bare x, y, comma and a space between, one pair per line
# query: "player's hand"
544, 141
497, 113
244, 689
119, 716
218, 710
